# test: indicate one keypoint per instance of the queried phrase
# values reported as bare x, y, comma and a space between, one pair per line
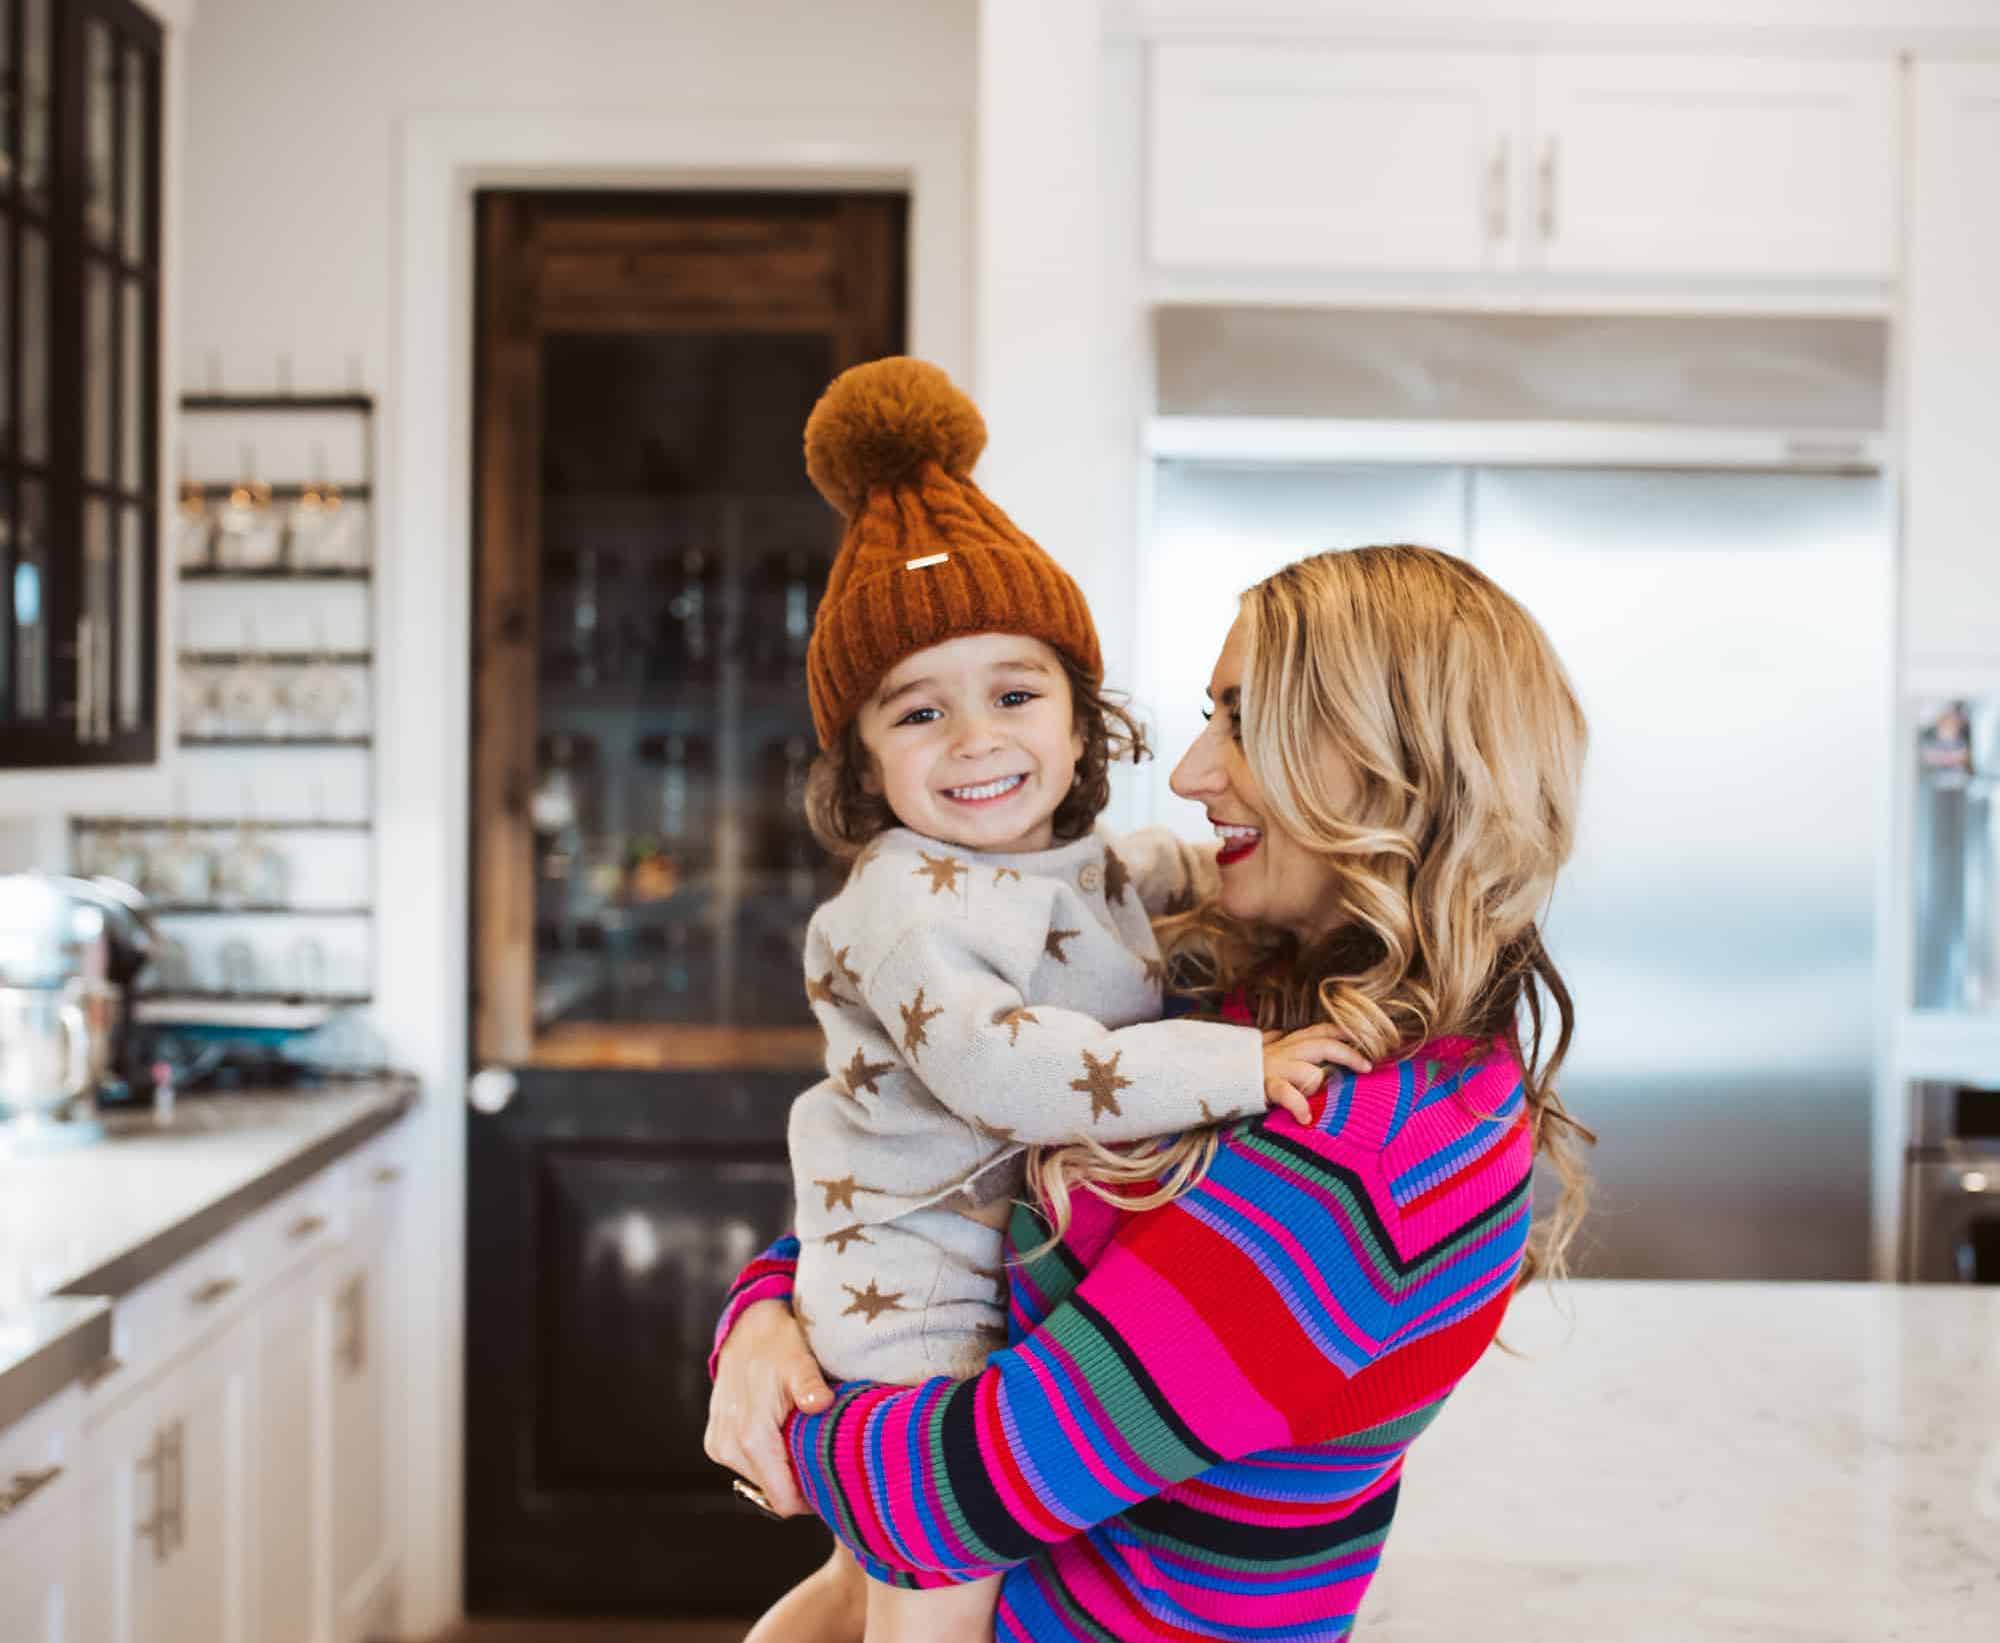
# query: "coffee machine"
70, 955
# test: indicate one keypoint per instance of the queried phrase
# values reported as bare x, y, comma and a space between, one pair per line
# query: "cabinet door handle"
86, 709
305, 1226
26, 1486
1497, 177
154, 1528
214, 1290
1548, 179
388, 1174
353, 1348
180, 1484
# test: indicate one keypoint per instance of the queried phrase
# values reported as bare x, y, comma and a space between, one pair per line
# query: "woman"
1216, 1367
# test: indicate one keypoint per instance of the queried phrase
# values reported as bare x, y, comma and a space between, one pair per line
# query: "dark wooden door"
649, 556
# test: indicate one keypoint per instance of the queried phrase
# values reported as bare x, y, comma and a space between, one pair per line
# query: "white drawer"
284, 1235
38, 1466
165, 1316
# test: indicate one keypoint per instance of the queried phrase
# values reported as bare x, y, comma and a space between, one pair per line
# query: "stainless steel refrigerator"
1730, 635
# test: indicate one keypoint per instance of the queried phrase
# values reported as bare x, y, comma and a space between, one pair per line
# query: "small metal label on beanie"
928, 559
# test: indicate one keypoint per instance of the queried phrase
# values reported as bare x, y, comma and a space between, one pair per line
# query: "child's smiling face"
974, 742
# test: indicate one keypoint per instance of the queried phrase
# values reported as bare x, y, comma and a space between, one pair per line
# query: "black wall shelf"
363, 403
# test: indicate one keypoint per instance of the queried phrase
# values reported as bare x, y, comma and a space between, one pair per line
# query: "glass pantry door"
649, 557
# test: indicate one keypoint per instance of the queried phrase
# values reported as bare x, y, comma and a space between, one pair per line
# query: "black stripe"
1499, 1210
1264, 1543
966, 1476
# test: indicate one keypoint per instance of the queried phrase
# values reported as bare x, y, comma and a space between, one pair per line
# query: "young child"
987, 978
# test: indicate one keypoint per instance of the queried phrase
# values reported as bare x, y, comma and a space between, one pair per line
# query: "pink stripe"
1225, 1410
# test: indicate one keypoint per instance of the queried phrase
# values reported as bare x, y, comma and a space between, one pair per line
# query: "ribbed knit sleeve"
1319, 1282
768, 1277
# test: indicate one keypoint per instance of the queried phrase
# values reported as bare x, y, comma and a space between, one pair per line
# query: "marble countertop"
1779, 1462
90, 1225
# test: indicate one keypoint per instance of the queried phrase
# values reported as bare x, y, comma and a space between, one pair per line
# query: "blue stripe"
1406, 1098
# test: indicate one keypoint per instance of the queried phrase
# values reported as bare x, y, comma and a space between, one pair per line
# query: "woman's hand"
1295, 1063
764, 1371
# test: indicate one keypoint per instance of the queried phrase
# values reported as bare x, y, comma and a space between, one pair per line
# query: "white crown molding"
1810, 27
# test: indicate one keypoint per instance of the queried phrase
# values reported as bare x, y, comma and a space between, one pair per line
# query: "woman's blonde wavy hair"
1446, 700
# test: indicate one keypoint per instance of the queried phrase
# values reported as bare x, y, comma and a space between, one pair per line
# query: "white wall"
292, 125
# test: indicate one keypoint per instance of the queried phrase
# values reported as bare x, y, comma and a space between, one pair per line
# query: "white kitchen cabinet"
364, 1317
38, 1585
40, 1534
289, 1453
1713, 166
164, 1505
1951, 494
1321, 159
1627, 167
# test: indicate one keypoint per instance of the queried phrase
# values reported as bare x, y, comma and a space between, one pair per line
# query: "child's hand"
1294, 1066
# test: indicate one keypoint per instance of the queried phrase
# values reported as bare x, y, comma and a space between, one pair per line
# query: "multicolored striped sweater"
1198, 1427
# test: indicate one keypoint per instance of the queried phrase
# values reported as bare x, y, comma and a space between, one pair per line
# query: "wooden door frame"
423, 616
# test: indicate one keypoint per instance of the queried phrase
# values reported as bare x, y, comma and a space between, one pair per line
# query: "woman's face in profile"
1268, 876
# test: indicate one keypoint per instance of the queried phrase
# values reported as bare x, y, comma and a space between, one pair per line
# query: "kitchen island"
1696, 1462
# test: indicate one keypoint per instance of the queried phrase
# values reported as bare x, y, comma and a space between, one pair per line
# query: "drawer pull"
101, 1371
214, 1290
155, 1528
388, 1174
26, 1486
306, 1226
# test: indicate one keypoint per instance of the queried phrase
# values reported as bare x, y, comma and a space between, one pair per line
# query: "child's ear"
1076, 742
871, 776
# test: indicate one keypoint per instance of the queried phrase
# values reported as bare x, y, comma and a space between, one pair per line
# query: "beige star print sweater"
977, 1004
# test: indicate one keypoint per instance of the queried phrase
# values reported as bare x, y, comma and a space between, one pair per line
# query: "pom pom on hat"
880, 423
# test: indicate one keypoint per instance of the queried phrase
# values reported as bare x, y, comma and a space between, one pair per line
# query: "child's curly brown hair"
846, 818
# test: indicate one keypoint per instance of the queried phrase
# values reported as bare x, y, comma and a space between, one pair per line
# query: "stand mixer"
70, 952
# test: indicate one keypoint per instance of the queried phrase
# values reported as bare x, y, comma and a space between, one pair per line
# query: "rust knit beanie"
926, 556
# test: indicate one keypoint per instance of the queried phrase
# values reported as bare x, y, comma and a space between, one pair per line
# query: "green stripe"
1130, 1404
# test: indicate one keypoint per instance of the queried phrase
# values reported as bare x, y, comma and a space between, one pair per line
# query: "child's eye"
919, 716
1016, 698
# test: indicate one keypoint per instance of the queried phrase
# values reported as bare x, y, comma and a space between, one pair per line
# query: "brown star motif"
1013, 1019
942, 871
1101, 1083
821, 990
1156, 971
860, 1073
864, 859
847, 1235
1053, 946
1117, 877
992, 1132
846, 975
915, 1016
840, 1194
871, 1303
1208, 1117
1000, 873
1181, 901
